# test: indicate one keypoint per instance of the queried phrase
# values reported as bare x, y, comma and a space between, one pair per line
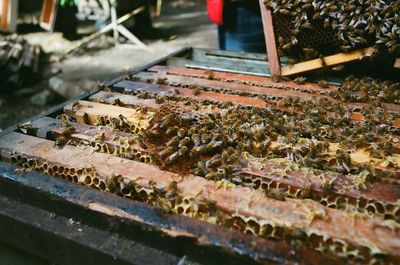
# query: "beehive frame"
97, 108
274, 60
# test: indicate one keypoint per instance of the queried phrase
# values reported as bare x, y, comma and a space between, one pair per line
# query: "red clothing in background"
215, 8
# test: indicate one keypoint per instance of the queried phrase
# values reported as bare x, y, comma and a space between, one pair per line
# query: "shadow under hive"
235, 165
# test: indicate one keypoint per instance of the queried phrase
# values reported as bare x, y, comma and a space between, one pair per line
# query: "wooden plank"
148, 81
181, 81
48, 14
44, 233
180, 52
200, 54
124, 100
397, 63
308, 87
8, 15
261, 81
342, 186
272, 51
100, 139
178, 235
219, 66
329, 61
131, 101
101, 114
4, 15
236, 202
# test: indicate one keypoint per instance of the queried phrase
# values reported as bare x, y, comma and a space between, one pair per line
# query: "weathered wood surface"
295, 215
330, 60
348, 187
358, 157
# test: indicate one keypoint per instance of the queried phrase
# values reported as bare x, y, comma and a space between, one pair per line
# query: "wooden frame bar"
331, 60
343, 187
294, 215
8, 15
397, 63
49, 14
273, 57
272, 52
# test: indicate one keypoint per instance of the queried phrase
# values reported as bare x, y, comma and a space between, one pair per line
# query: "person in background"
239, 24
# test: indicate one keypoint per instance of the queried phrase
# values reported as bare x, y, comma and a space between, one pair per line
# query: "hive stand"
274, 61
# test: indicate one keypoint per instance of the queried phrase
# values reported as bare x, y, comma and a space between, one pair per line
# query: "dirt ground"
182, 23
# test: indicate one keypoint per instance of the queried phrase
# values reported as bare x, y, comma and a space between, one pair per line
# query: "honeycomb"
169, 201
327, 27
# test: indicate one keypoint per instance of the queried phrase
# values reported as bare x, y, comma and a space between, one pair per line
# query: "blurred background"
45, 59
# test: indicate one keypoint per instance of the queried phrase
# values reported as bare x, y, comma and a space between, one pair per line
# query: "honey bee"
300, 80
116, 102
67, 131
184, 142
214, 162
196, 139
160, 100
100, 137
212, 175
205, 138
152, 133
197, 91
141, 142
166, 152
172, 158
322, 60
162, 81
183, 151
61, 141
167, 120
209, 74
174, 141
323, 83
172, 191
181, 133
171, 130
25, 127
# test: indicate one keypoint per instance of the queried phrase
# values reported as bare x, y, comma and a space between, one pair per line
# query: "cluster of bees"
218, 140
355, 24
213, 145
367, 89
